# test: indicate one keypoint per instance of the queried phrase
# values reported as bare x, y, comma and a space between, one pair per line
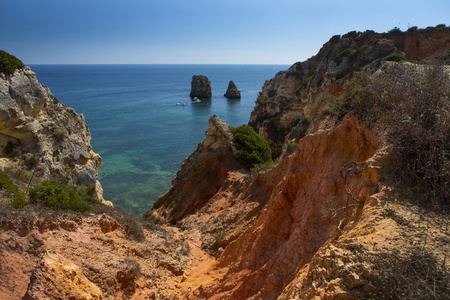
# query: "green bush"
395, 30
31, 162
56, 195
18, 201
251, 149
9, 63
6, 183
395, 57
338, 59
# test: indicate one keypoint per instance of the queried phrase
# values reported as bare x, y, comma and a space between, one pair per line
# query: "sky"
196, 31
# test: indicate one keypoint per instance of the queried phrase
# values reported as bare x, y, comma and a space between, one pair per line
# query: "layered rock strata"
200, 87
40, 135
232, 91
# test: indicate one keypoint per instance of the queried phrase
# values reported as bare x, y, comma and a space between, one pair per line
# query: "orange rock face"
58, 277
201, 176
301, 203
86, 258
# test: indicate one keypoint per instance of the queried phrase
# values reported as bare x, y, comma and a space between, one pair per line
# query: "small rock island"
232, 91
200, 87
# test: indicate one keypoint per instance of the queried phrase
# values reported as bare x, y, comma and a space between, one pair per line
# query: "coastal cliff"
201, 176
51, 250
331, 217
40, 135
321, 221
287, 97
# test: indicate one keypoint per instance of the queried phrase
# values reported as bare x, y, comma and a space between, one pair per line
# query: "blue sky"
196, 31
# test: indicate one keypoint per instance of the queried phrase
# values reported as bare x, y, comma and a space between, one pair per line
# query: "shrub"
338, 59
251, 148
56, 195
6, 183
18, 201
411, 103
31, 162
395, 30
220, 235
129, 224
264, 166
395, 57
60, 135
9, 63
291, 147
152, 222
414, 274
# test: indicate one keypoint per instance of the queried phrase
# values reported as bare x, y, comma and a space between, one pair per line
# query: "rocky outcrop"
287, 98
63, 256
40, 135
200, 87
304, 204
232, 91
59, 278
202, 174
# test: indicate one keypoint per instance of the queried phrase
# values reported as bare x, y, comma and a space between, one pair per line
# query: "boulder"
200, 87
232, 91
59, 278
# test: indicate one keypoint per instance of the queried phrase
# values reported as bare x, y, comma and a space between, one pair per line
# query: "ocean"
136, 126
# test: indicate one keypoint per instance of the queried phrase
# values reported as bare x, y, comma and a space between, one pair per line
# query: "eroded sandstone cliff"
303, 229
201, 176
322, 222
42, 136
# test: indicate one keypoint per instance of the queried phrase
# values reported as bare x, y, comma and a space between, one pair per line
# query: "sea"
136, 125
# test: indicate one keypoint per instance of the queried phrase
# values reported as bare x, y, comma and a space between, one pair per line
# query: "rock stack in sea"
232, 91
200, 87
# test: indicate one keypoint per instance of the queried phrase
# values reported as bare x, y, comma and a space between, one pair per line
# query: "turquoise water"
135, 124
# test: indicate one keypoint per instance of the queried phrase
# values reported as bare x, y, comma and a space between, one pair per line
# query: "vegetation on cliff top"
411, 104
9, 63
53, 195
56, 195
251, 148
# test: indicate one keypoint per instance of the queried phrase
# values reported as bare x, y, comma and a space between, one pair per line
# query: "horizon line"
138, 64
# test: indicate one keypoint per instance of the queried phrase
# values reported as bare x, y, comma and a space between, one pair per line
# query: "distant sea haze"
136, 126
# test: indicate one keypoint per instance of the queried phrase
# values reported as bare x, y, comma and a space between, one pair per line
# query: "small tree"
251, 148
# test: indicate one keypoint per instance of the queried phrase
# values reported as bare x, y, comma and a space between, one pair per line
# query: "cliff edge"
287, 98
329, 220
41, 136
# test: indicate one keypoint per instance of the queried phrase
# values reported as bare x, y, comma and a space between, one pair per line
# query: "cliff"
49, 253
286, 99
201, 175
329, 218
40, 135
